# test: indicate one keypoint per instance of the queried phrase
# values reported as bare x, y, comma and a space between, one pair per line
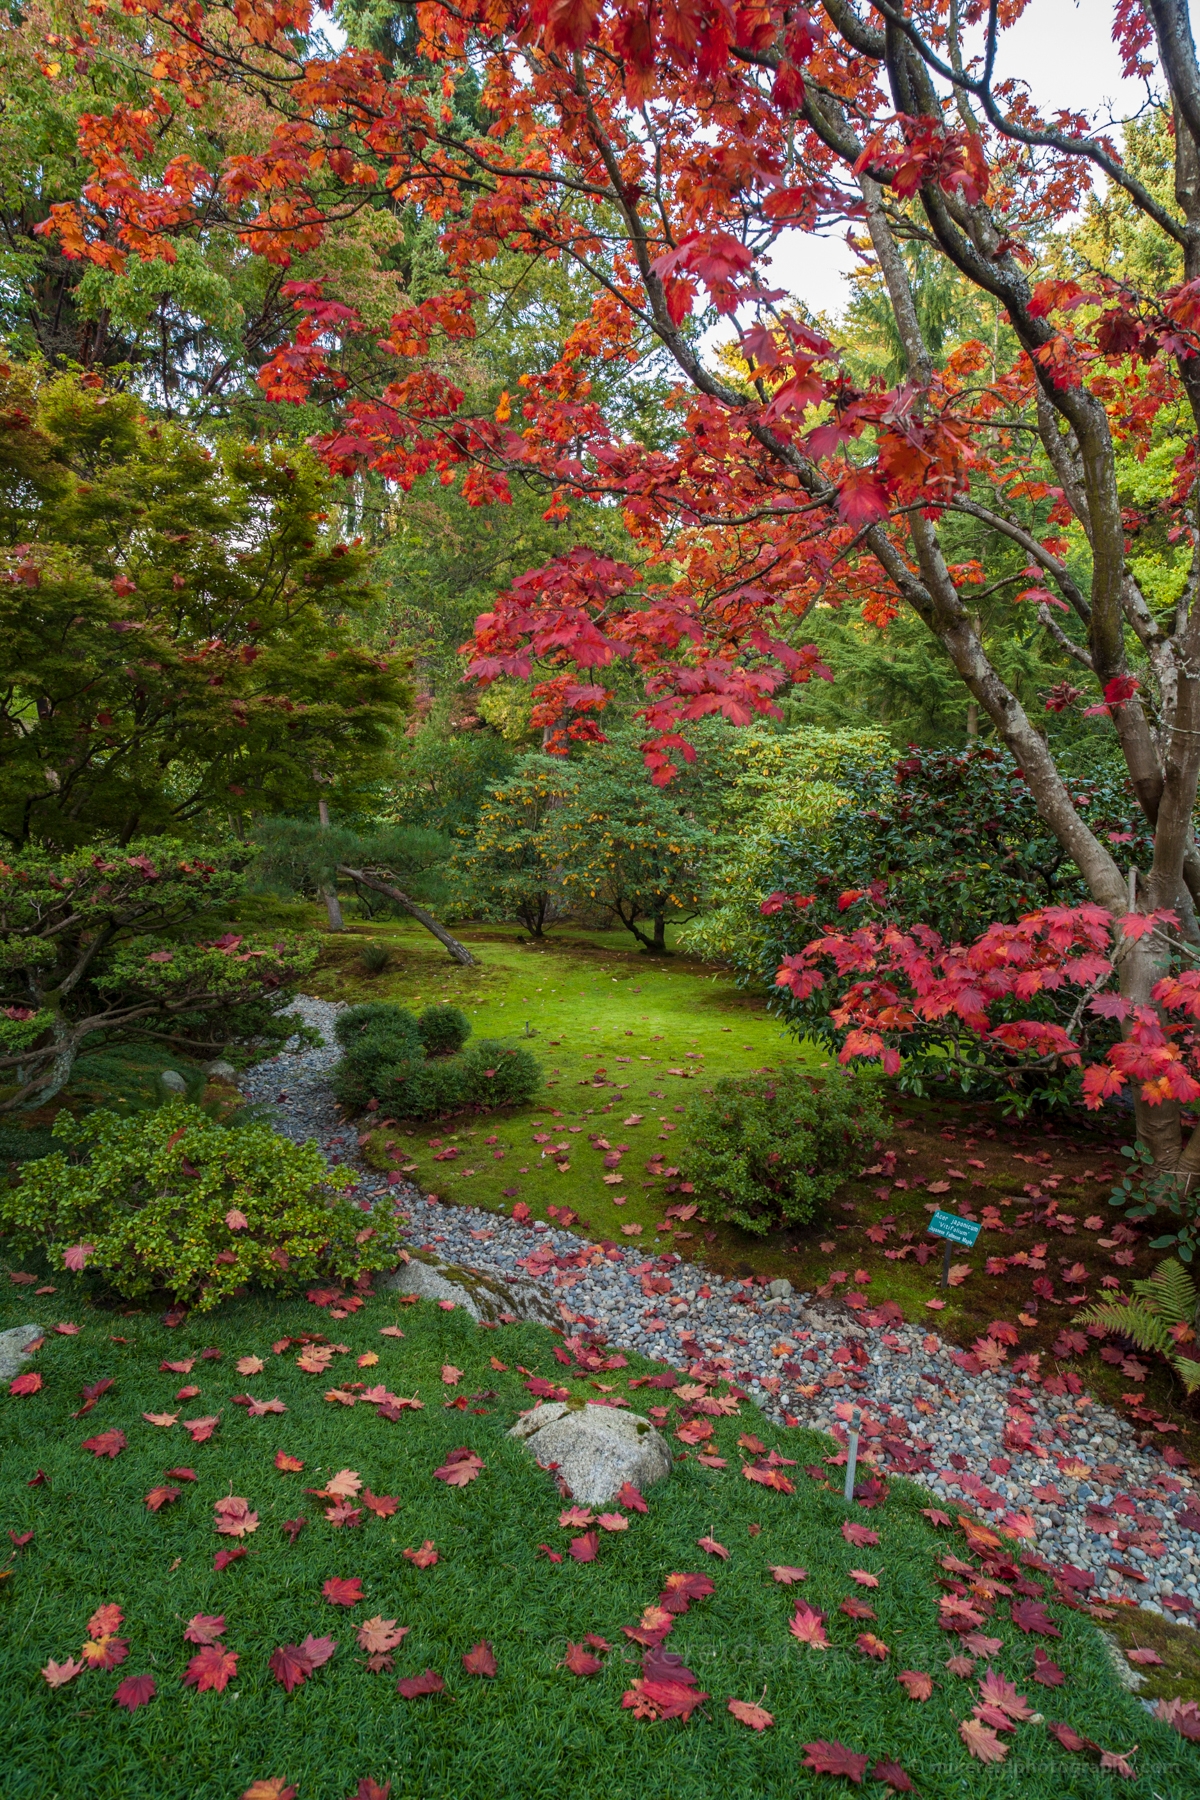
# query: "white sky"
1064, 50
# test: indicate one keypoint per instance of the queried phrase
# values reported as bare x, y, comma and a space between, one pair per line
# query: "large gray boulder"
482, 1296
596, 1448
13, 1346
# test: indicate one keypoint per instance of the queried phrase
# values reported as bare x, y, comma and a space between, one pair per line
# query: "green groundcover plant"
769, 1149
415, 1067
171, 1201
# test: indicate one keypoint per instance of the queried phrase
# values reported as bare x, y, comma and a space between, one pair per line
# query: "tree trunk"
660, 934
328, 889
458, 951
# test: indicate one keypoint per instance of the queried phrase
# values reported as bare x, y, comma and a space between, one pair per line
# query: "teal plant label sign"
959, 1231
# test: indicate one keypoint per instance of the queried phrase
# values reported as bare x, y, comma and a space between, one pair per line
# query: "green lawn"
656, 1028
536, 1730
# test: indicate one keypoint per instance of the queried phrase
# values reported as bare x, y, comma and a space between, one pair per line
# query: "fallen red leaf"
583, 1549
480, 1660
785, 1574
135, 1691
29, 1383
105, 1620
291, 1465
711, 1545
460, 1467
628, 1496
182, 1475
162, 1496
425, 1557
343, 1590
861, 1536
808, 1626
757, 1717
893, 1776
916, 1684
274, 1788
204, 1628
982, 1742
833, 1758
223, 1558
58, 1674
580, 1661
383, 1505
412, 1687
106, 1443
292, 1664
213, 1668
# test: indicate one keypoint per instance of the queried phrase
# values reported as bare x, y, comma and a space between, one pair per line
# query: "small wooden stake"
852, 1454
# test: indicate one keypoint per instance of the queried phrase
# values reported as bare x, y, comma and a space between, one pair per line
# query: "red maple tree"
661, 151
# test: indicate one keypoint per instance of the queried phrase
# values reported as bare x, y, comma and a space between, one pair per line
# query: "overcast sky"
1064, 50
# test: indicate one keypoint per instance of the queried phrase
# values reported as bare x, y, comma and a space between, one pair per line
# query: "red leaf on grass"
291, 1528
371, 1790
1046, 1670
292, 1664
808, 1626
204, 1628
223, 1558
893, 1776
105, 1620
412, 1687
29, 1383
273, 1788
459, 1468
106, 1443
916, 1684
832, 1758
870, 1645
580, 1661
583, 1549
982, 1742
861, 1536
343, 1590
711, 1545
291, 1465
785, 1574
480, 1660
234, 1517
201, 1429
181, 1475
211, 1668
757, 1717
58, 1674
384, 1505
425, 1557
1031, 1615
105, 1652
628, 1496
134, 1691
162, 1496
378, 1635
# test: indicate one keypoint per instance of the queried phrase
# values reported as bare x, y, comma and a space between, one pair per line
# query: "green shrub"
494, 1074
168, 1200
381, 1020
443, 1029
420, 1090
768, 1150
374, 958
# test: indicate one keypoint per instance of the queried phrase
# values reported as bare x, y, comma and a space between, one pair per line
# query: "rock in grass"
596, 1448
483, 1296
13, 1348
173, 1081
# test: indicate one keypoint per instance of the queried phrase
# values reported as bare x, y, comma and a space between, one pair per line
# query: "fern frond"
1170, 1292
1188, 1372
1133, 1319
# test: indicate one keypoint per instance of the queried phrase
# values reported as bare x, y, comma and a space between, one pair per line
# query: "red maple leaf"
583, 1549
106, 1443
581, 1661
1031, 1615
628, 1496
480, 1660
827, 1757
757, 1717
412, 1687
893, 1776
204, 1628
292, 1664
105, 1652
861, 1536
425, 1557
162, 1496
29, 1383
916, 1684
212, 1667
134, 1691
343, 1590
291, 1465
460, 1467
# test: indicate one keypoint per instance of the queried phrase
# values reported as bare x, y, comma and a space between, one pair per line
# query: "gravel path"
1117, 1516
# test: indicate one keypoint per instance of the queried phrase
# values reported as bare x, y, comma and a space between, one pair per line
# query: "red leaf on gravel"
580, 1661
291, 1465
832, 1758
343, 1590
213, 1667
583, 1549
861, 1536
134, 1691
162, 1496
1031, 1615
29, 1383
412, 1687
204, 1628
106, 1443
757, 1717
480, 1660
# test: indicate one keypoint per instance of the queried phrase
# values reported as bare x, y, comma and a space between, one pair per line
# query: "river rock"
13, 1348
596, 1448
485, 1297
173, 1081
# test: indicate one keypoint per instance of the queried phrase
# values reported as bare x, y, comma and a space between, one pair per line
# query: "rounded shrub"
763, 1151
381, 1020
420, 1090
444, 1029
494, 1074
169, 1201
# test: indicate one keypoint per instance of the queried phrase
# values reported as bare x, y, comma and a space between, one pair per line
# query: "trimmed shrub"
169, 1200
768, 1150
494, 1074
444, 1029
381, 1020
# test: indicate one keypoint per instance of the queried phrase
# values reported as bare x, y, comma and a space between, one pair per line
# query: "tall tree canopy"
660, 152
